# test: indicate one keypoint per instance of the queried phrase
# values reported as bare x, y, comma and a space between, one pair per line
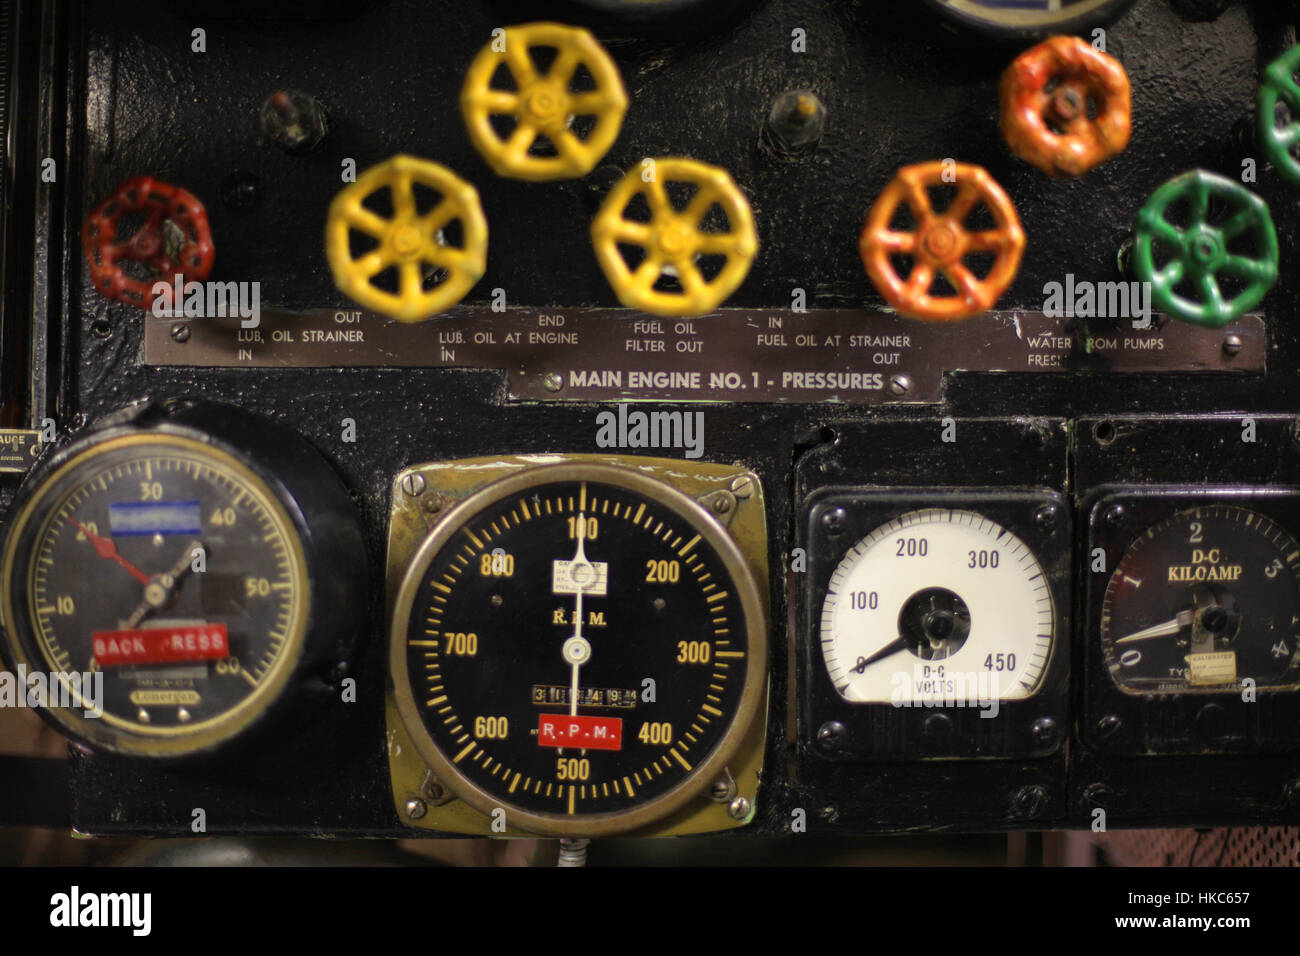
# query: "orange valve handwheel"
675, 246
540, 127
1065, 106
941, 242
387, 238
172, 238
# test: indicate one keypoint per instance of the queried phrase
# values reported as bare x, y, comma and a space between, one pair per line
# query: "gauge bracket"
1114, 720
316, 506
834, 729
423, 494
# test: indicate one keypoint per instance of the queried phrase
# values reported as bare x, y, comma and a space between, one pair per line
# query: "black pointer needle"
893, 647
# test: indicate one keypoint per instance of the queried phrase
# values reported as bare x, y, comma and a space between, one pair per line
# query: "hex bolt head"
294, 121
794, 124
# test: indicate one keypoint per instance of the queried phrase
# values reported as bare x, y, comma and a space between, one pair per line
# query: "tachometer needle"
1164, 629
105, 548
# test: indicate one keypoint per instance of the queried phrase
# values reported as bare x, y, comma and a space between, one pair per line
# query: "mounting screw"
181, 332
1037, 435
937, 726
553, 381
739, 808
722, 789
1043, 732
899, 384
795, 124
722, 503
1108, 727
830, 735
1231, 344
1115, 517
1097, 795
834, 522
1029, 802
416, 808
241, 191
413, 484
1046, 517
742, 486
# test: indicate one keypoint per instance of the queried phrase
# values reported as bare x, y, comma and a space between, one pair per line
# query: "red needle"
105, 548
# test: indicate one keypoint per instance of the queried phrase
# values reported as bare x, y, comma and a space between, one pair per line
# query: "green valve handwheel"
1213, 265
1279, 85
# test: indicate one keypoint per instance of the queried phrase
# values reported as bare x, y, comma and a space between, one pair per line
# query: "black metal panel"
898, 90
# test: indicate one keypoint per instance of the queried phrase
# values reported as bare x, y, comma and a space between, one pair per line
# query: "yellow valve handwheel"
674, 241
543, 105
430, 274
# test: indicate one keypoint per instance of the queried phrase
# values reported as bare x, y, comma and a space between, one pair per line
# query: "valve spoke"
717, 243
520, 62
363, 220
964, 280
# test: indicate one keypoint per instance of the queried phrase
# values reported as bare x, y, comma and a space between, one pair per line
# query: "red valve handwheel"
1065, 106
172, 238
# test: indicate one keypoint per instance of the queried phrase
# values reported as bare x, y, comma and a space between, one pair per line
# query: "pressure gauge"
933, 623
1022, 19
581, 647
934, 604
1202, 601
171, 575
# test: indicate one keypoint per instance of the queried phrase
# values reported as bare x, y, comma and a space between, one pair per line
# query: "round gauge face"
938, 606
1031, 15
580, 645
164, 586
1203, 601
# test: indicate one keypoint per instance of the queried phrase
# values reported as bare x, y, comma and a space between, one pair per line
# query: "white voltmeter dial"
936, 606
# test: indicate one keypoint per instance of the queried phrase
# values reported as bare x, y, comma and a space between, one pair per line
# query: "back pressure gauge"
1023, 19
933, 623
176, 574
582, 646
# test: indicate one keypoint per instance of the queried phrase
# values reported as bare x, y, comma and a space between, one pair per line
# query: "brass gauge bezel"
751, 707
28, 649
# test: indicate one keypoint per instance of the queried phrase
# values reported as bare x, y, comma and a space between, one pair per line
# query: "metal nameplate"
747, 355
19, 447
